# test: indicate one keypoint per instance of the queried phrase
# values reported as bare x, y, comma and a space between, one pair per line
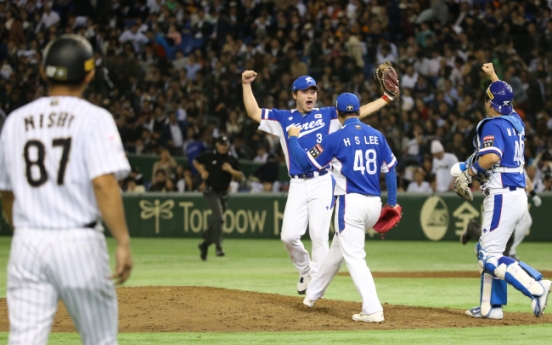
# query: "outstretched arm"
251, 106
372, 107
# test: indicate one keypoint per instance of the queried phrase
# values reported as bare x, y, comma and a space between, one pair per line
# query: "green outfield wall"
435, 217
145, 164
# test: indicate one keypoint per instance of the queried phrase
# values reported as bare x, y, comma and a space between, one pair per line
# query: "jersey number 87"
370, 166
37, 160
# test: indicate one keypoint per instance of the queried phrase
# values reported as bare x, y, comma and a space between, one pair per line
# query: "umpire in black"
216, 168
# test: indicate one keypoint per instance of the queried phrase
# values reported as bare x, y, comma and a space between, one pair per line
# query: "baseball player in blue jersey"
358, 153
310, 199
499, 155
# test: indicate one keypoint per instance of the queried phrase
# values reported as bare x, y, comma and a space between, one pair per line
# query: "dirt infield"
206, 309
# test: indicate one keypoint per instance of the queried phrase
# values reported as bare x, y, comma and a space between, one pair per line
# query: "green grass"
534, 335
263, 266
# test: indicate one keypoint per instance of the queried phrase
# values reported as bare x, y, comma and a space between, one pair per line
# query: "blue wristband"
477, 169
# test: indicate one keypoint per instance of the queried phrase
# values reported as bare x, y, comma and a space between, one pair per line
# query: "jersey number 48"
366, 161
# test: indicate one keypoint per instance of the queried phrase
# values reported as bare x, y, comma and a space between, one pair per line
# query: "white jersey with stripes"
50, 151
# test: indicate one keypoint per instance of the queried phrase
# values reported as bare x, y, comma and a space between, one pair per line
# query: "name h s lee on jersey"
368, 140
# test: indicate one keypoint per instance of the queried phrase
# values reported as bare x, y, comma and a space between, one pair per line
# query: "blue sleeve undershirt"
391, 182
299, 154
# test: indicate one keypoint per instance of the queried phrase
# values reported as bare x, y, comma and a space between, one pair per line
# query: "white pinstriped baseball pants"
72, 265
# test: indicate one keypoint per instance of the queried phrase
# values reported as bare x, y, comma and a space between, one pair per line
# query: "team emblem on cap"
309, 80
350, 107
506, 103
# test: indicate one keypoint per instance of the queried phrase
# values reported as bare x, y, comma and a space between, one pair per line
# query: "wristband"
477, 169
387, 99
532, 193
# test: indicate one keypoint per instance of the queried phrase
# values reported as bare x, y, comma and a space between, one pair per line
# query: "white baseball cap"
436, 147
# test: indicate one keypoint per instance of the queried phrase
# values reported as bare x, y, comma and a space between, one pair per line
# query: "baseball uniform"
504, 206
441, 169
358, 154
50, 151
309, 199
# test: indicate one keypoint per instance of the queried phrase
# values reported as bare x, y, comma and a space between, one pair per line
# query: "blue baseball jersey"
499, 136
315, 125
358, 154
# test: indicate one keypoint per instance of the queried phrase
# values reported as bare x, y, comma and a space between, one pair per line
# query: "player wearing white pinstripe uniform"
60, 158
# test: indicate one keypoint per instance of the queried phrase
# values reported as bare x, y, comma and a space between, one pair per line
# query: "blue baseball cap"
501, 97
347, 102
303, 83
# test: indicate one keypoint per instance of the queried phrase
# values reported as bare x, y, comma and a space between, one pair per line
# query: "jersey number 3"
37, 160
370, 165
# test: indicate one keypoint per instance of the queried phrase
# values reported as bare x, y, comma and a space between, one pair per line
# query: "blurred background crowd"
170, 71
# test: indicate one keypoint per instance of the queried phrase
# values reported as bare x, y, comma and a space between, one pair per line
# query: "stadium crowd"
170, 70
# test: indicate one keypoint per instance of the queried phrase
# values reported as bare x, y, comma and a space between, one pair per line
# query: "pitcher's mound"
206, 309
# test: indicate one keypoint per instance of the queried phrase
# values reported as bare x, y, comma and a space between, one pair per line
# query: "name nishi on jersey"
370, 140
53, 119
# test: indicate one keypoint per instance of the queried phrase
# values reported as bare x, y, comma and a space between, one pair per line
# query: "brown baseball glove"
388, 79
389, 218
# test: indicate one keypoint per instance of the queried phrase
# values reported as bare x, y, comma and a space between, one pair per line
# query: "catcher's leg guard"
493, 294
522, 278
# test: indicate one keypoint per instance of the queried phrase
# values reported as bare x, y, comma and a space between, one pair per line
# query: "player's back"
501, 135
361, 154
52, 148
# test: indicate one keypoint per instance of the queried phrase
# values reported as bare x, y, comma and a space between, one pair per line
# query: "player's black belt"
310, 174
500, 190
91, 225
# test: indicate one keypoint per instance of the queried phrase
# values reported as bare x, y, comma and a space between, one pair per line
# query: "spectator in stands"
184, 180
165, 163
419, 185
159, 183
130, 186
442, 162
174, 134
239, 150
262, 155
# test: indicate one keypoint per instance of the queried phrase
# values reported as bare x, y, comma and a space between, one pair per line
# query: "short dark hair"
347, 113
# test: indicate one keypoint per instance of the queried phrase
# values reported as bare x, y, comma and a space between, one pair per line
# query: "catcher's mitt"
461, 186
388, 79
388, 219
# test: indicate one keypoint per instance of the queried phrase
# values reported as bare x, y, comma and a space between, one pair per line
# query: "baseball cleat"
220, 252
309, 302
495, 313
540, 303
202, 251
374, 317
303, 284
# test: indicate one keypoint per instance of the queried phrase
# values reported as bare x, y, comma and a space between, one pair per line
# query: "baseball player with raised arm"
499, 156
310, 200
60, 159
358, 154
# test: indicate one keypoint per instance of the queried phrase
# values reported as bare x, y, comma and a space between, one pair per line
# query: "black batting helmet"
68, 59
